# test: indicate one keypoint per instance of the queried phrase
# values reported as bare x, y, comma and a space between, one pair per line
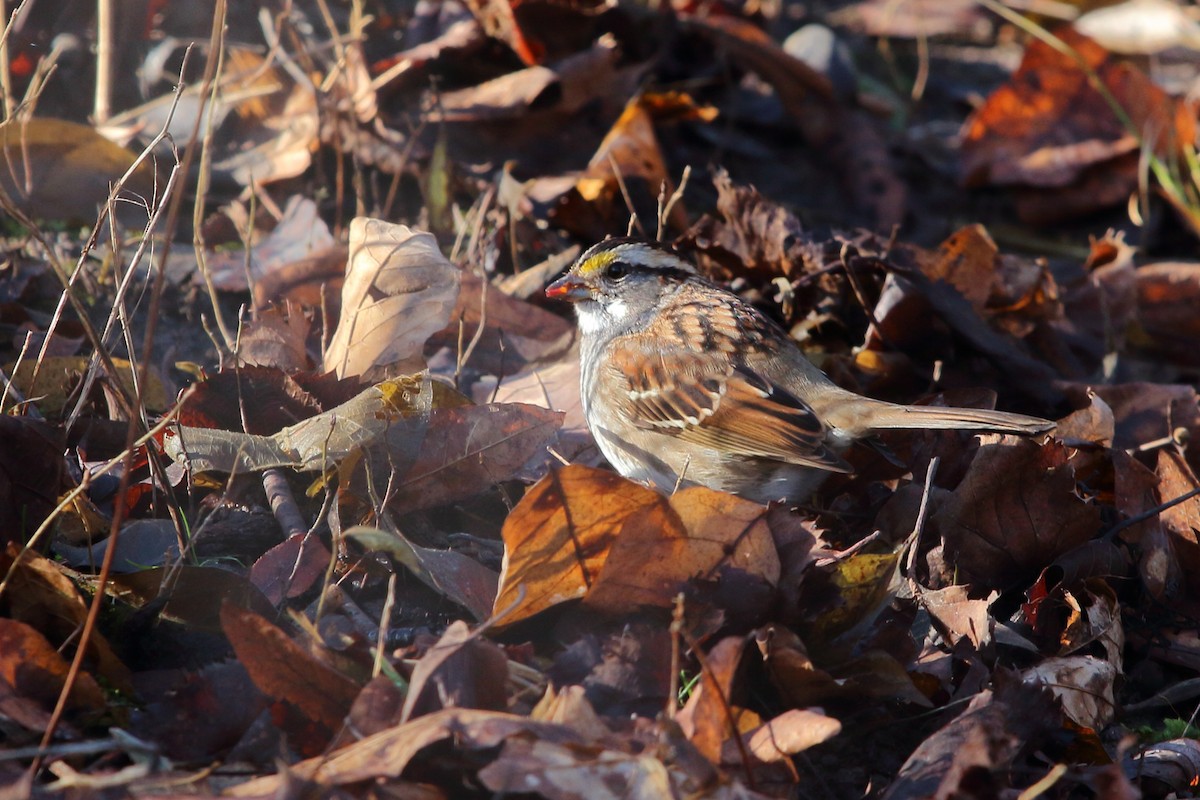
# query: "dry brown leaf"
386, 754
1083, 685
285, 671
710, 718
36, 671
1016, 510
40, 595
557, 538
1048, 127
959, 617
696, 535
1093, 424
1135, 487
979, 745
461, 671
1181, 521
275, 340
793, 731
471, 448
1168, 295
60, 170
630, 150
298, 235
399, 291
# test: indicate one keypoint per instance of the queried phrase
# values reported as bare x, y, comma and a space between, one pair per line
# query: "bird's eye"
616, 270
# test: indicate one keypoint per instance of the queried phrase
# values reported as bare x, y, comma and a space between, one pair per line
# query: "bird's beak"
568, 288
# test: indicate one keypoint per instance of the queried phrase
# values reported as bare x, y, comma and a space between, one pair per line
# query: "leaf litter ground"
372, 550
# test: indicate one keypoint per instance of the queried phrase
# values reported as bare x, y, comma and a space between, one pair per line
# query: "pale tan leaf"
399, 290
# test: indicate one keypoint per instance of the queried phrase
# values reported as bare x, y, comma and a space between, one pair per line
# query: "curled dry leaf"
298, 235
1181, 521
275, 340
36, 671
1168, 295
1049, 128
450, 573
709, 716
461, 671
958, 617
399, 291
1175, 763
40, 594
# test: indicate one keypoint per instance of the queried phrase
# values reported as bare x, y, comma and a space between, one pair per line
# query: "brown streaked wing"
707, 399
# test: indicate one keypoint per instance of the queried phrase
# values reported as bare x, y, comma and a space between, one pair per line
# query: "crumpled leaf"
33, 669
469, 448
399, 291
1048, 128
463, 670
793, 731
979, 745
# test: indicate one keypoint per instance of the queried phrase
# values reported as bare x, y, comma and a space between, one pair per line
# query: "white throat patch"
592, 315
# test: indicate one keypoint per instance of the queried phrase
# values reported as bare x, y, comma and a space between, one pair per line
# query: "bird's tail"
888, 416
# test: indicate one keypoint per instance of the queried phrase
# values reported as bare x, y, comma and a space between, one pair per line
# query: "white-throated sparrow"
685, 383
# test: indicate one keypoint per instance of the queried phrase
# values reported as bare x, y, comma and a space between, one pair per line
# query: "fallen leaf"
979, 746
1083, 686
290, 568
710, 717
60, 170
958, 616
1047, 126
462, 670
300, 233
39, 594
696, 536
557, 538
793, 731
1182, 520
284, 670
1016, 509
1167, 296
35, 669
471, 448
275, 340
452, 574
399, 291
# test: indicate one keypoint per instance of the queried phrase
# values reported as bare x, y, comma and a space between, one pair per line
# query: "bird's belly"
666, 463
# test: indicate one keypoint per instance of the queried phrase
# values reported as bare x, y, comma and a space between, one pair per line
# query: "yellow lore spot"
596, 263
